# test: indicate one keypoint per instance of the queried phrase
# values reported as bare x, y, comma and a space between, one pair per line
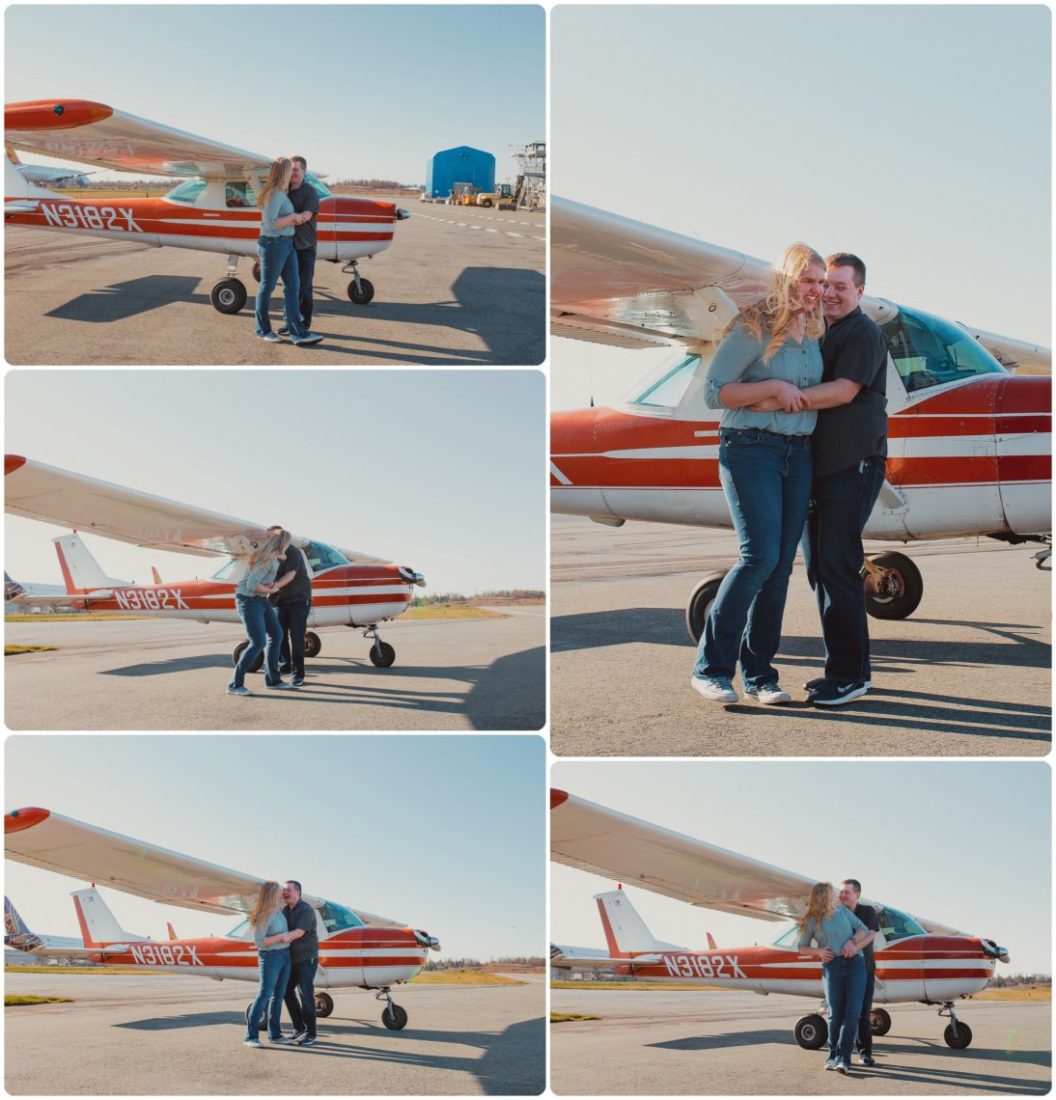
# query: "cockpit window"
187, 192
238, 193
931, 352
227, 570
336, 917
897, 926
667, 390
317, 183
320, 556
788, 938
241, 931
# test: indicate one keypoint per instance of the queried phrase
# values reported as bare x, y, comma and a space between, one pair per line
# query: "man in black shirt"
304, 197
850, 453
304, 960
293, 601
850, 892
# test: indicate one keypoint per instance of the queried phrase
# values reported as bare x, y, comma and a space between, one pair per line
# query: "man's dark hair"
843, 259
301, 161
294, 882
846, 882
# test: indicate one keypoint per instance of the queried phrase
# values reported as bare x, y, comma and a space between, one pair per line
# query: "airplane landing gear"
879, 1021
382, 655
957, 1035
312, 644
393, 1016
257, 665
812, 1032
893, 585
229, 294
360, 290
700, 602
1044, 556
324, 1004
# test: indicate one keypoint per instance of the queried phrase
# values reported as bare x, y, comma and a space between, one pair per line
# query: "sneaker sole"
769, 702
727, 699
841, 701
810, 690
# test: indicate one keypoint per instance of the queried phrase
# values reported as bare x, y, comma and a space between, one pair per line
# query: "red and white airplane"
916, 959
213, 210
969, 443
356, 948
348, 588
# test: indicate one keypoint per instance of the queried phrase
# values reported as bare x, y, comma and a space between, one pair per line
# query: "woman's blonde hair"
775, 313
272, 546
267, 902
278, 180
821, 906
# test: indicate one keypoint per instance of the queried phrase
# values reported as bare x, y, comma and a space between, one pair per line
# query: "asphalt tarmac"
132, 674
157, 1034
969, 674
456, 287
664, 1043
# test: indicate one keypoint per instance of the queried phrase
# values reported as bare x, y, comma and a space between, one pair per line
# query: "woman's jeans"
264, 633
844, 984
766, 478
274, 974
277, 260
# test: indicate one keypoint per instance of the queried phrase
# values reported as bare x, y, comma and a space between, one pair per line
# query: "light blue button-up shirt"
276, 925
834, 932
265, 573
740, 359
278, 206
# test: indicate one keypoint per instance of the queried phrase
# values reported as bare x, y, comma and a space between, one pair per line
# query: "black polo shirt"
304, 198
300, 588
853, 347
867, 915
302, 915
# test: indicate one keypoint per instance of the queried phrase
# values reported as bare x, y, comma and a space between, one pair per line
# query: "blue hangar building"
459, 165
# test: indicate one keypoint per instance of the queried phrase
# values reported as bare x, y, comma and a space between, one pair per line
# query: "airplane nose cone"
411, 577
994, 951
425, 940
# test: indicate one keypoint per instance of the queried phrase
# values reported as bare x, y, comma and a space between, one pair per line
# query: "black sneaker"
297, 681
820, 681
298, 1035
832, 694
284, 332
307, 1041
867, 1060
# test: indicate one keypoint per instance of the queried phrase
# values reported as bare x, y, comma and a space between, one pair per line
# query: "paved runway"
967, 675
663, 1042
484, 674
156, 1034
455, 287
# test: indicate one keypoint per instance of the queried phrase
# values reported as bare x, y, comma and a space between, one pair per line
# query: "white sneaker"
253, 1043
716, 688
271, 338
239, 691
769, 695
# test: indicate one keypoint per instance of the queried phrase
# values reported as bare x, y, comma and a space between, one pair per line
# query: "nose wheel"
957, 1035
381, 654
393, 1016
360, 290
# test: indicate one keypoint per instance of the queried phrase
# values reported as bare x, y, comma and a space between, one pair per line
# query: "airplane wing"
1015, 355
93, 133
616, 846
51, 495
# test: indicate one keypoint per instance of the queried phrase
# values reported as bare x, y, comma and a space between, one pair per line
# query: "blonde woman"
839, 936
257, 614
769, 353
272, 937
276, 255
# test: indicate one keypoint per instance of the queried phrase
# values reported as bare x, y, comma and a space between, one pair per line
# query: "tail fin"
80, 570
712, 945
16, 934
157, 577
172, 931
625, 931
98, 924
12, 589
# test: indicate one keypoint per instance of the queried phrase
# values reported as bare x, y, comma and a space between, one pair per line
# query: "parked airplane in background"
348, 588
916, 959
356, 948
34, 595
214, 210
53, 177
969, 443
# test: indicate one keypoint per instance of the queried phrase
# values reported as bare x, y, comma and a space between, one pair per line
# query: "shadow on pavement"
119, 301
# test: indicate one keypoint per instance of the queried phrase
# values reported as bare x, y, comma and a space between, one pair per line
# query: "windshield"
226, 570
187, 192
242, 930
929, 351
894, 925
317, 183
666, 390
320, 556
336, 918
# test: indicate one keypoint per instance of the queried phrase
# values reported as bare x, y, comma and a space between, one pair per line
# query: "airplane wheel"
900, 589
961, 1040
228, 295
256, 270
365, 293
312, 645
700, 603
324, 1004
879, 1021
249, 1009
257, 665
812, 1032
382, 659
397, 1020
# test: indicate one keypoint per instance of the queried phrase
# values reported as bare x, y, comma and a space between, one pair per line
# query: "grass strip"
13, 999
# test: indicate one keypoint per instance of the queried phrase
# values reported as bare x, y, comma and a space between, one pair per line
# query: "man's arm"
830, 395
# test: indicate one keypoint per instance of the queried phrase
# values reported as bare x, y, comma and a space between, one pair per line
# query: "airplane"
349, 588
969, 443
213, 209
356, 948
916, 959
55, 177
34, 595
18, 937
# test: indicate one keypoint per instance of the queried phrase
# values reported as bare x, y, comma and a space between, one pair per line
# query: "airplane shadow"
119, 301
172, 664
716, 1042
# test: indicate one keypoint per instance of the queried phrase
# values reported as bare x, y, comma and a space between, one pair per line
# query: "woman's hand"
790, 398
826, 954
850, 949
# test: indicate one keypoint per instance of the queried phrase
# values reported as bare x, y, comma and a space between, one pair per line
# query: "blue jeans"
844, 984
302, 980
766, 478
277, 260
274, 973
264, 633
832, 549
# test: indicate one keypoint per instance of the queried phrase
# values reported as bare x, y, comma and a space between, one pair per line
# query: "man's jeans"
767, 479
844, 983
264, 633
277, 260
274, 976
865, 1024
293, 619
302, 979
306, 274
832, 549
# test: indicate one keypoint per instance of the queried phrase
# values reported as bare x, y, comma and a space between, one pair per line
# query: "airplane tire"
812, 1032
396, 1020
879, 1021
700, 603
908, 582
249, 1009
257, 665
324, 1004
256, 270
961, 1040
228, 295
312, 645
382, 659
365, 293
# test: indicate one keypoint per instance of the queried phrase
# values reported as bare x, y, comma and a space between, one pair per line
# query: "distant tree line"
535, 962
375, 185
1021, 979
501, 594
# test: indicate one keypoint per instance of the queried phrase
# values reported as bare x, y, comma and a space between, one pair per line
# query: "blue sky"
964, 843
442, 471
361, 91
446, 833
915, 136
